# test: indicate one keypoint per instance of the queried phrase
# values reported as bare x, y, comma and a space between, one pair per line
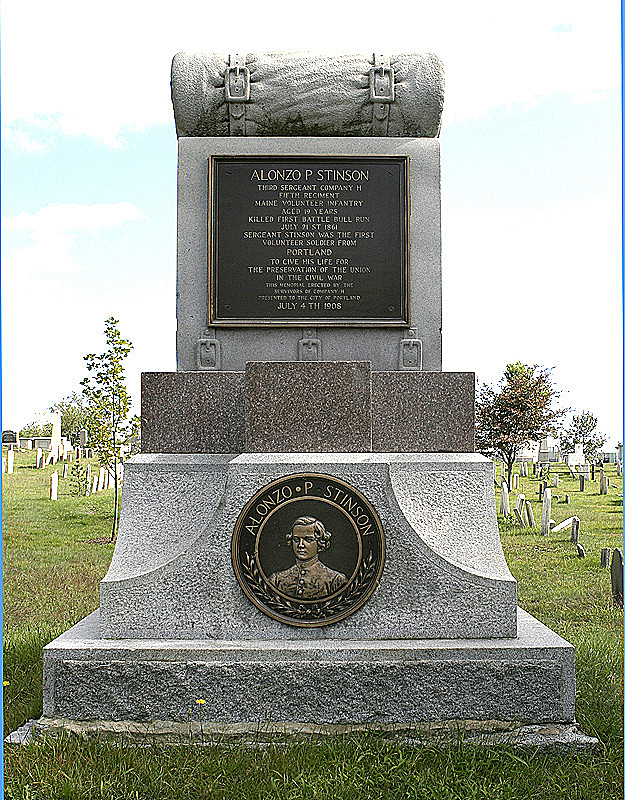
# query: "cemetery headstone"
582, 480
281, 506
618, 469
575, 530
83, 436
518, 510
546, 518
567, 499
65, 470
605, 557
54, 485
10, 461
94, 484
529, 514
616, 574
603, 484
541, 489
562, 526
504, 503
515, 481
581, 553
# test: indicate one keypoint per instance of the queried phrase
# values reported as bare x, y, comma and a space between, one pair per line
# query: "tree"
582, 430
75, 416
36, 429
108, 406
520, 411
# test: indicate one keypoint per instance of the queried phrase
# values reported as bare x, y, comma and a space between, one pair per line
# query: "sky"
531, 180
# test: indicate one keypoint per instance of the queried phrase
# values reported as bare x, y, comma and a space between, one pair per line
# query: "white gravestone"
504, 505
529, 514
10, 461
88, 481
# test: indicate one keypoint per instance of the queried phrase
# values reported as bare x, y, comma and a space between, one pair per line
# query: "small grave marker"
605, 557
518, 510
581, 553
65, 470
575, 530
504, 505
544, 529
10, 461
616, 573
567, 499
529, 514
54, 486
582, 481
563, 525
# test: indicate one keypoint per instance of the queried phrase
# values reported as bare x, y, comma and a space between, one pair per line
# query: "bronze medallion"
308, 550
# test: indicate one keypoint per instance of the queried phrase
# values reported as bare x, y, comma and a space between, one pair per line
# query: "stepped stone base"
528, 680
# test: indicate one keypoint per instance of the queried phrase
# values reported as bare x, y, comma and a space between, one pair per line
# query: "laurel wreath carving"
313, 611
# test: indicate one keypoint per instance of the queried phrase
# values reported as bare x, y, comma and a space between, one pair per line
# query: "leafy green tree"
582, 430
75, 415
36, 429
521, 410
108, 406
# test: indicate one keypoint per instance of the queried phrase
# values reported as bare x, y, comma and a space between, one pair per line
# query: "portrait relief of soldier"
309, 578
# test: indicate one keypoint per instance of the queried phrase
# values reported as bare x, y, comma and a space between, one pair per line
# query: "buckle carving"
382, 90
237, 84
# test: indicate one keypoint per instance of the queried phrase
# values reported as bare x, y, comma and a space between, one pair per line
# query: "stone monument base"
293, 684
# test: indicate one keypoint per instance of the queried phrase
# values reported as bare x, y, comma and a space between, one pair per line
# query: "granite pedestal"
439, 639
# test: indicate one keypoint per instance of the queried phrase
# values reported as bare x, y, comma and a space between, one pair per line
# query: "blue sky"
530, 181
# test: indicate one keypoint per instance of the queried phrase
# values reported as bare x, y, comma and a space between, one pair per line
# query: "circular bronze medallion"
308, 550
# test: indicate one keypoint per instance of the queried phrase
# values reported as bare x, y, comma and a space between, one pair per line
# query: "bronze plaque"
308, 550
309, 240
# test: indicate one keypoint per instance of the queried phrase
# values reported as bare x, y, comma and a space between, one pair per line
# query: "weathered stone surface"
381, 345
308, 406
445, 574
423, 412
192, 412
204, 412
527, 679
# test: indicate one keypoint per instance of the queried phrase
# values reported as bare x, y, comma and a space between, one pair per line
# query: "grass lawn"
54, 559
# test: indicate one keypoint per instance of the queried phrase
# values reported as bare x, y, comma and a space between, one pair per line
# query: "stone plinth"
246, 684
192, 412
444, 576
308, 406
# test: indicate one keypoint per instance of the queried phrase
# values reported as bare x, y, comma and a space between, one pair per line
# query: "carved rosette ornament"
308, 550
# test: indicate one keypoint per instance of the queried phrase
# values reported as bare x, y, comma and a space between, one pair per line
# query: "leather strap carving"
237, 89
381, 93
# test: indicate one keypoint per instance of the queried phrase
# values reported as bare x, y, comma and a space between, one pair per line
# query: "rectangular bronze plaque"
308, 240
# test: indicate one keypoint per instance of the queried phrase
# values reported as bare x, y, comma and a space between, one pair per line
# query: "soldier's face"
304, 542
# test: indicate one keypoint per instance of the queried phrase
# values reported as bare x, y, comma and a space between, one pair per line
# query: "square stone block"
423, 412
192, 412
321, 406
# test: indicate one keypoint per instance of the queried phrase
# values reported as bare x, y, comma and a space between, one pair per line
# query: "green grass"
54, 560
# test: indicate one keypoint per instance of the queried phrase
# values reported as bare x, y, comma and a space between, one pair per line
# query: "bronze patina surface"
308, 549
302, 238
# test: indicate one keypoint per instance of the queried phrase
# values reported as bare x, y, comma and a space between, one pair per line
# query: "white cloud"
70, 68
53, 231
